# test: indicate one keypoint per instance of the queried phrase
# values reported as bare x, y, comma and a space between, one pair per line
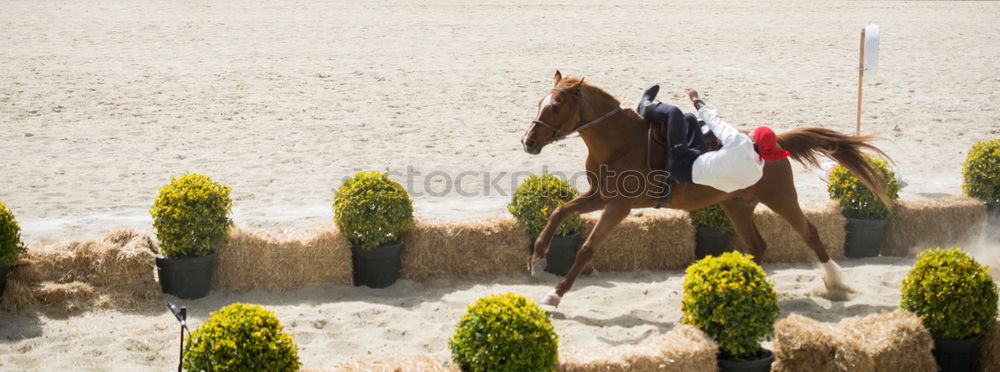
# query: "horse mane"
585, 90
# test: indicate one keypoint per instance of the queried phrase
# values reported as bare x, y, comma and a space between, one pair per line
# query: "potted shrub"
730, 298
505, 332
532, 204
191, 218
10, 243
981, 180
241, 337
714, 230
956, 299
867, 216
373, 212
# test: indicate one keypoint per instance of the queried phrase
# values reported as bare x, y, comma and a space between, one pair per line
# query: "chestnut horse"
617, 144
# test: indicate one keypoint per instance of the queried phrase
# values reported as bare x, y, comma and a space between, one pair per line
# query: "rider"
738, 164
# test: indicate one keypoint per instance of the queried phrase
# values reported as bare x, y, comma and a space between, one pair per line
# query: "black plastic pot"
3, 277
709, 241
186, 277
562, 253
955, 355
864, 237
757, 365
378, 267
993, 224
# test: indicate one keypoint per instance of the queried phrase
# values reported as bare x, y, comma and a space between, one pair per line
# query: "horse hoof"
552, 299
538, 268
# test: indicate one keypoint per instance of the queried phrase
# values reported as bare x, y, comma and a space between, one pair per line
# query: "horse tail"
805, 144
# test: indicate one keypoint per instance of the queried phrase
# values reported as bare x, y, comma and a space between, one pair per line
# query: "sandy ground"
338, 323
334, 323
103, 101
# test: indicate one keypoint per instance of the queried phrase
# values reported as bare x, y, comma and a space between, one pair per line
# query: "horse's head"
559, 114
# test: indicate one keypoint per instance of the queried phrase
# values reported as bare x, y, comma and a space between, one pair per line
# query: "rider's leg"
695, 138
681, 156
646, 104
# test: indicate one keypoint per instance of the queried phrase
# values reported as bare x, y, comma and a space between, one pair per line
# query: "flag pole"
861, 77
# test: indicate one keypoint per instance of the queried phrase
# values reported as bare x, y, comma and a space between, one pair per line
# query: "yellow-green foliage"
191, 216
981, 173
535, 199
730, 298
952, 293
241, 337
505, 332
856, 200
10, 237
371, 210
711, 216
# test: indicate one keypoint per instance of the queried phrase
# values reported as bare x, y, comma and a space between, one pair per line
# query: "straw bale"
896, 341
786, 245
803, 344
116, 272
400, 363
266, 260
927, 223
465, 250
649, 240
988, 358
685, 348
18, 297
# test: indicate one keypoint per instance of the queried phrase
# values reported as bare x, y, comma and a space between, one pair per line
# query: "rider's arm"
722, 130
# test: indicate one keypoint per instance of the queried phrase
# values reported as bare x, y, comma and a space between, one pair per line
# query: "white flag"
871, 48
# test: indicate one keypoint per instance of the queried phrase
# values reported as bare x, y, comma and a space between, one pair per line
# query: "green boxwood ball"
372, 210
981, 173
711, 216
952, 293
505, 332
856, 200
191, 216
10, 237
730, 298
537, 197
241, 337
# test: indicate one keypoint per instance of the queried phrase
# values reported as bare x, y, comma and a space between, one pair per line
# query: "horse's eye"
555, 109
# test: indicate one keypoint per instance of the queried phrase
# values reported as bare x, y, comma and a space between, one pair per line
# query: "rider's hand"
692, 94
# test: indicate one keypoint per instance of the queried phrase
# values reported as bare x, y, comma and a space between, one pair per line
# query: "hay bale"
785, 245
60, 278
651, 240
928, 223
896, 341
268, 260
988, 358
400, 363
803, 344
465, 250
684, 348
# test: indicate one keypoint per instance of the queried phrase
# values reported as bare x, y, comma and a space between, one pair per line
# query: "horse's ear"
556, 78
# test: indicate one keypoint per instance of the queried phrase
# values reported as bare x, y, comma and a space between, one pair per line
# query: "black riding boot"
646, 104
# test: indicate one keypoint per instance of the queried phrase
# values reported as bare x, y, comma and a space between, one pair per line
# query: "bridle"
557, 130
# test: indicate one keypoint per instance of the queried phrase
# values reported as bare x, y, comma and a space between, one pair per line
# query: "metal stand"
861, 78
181, 315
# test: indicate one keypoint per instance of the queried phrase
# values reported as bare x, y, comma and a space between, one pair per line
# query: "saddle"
657, 157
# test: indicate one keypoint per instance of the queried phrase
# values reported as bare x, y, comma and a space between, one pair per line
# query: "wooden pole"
861, 77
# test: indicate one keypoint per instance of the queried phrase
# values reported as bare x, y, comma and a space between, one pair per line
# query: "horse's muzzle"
531, 146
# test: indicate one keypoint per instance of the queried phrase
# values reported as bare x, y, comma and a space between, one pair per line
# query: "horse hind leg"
788, 208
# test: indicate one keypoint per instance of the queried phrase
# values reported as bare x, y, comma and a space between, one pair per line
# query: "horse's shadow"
622, 321
837, 311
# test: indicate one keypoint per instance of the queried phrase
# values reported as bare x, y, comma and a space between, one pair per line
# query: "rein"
555, 130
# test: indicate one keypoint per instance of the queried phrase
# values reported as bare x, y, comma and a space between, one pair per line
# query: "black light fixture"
181, 315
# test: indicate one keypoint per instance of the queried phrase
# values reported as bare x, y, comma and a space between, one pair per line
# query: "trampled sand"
102, 102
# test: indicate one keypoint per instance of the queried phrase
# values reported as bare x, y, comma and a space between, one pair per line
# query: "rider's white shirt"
733, 167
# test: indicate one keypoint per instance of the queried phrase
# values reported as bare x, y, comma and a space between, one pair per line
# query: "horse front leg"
588, 202
613, 214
